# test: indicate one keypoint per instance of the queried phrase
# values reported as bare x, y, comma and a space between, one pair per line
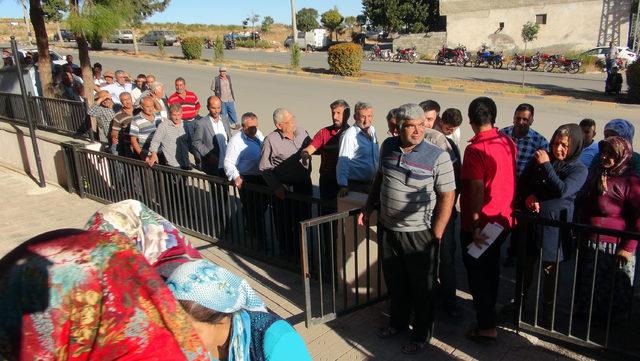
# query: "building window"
501, 25
541, 19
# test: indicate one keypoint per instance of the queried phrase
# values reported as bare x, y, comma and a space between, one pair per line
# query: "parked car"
66, 36
152, 37
316, 39
247, 35
122, 36
56, 58
376, 34
624, 53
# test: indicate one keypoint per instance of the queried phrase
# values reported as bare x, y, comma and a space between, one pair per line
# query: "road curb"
263, 68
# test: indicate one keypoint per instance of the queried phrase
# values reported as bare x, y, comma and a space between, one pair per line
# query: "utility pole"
293, 20
636, 32
25, 14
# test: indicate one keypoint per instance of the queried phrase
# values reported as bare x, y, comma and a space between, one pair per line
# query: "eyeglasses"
413, 127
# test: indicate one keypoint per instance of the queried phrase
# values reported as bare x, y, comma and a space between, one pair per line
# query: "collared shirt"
120, 123
225, 90
588, 153
171, 140
358, 155
190, 104
116, 89
490, 157
143, 129
527, 146
280, 158
456, 136
410, 184
243, 155
327, 144
220, 134
103, 116
435, 137
135, 94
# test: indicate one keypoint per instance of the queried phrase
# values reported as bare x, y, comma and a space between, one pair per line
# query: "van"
317, 39
123, 36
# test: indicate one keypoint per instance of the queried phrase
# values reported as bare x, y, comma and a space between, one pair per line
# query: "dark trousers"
447, 271
220, 197
409, 266
483, 274
254, 205
287, 215
329, 192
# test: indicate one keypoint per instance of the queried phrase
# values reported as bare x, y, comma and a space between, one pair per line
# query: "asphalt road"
309, 98
551, 81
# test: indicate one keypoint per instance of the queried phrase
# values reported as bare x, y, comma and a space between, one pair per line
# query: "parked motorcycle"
229, 44
571, 66
208, 43
458, 56
526, 62
489, 58
408, 54
379, 54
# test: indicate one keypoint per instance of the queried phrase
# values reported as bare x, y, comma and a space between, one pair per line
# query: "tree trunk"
60, 39
135, 41
83, 55
44, 63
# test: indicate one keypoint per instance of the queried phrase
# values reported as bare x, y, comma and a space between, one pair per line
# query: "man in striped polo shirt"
142, 128
413, 191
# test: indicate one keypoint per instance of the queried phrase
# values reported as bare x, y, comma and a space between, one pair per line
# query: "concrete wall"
571, 24
425, 43
17, 152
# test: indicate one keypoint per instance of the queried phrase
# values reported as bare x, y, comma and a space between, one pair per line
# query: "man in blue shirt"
590, 147
358, 154
527, 140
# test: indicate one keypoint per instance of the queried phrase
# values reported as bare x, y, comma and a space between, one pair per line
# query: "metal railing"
250, 220
57, 115
574, 300
340, 268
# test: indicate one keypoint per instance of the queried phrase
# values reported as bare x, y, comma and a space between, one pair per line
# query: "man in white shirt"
210, 138
358, 154
118, 87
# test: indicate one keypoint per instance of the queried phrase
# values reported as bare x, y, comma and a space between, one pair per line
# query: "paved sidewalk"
28, 210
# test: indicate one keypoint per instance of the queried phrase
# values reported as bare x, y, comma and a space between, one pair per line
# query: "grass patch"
423, 80
261, 44
520, 90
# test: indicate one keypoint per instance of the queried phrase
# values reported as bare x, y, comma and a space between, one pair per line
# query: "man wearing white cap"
223, 89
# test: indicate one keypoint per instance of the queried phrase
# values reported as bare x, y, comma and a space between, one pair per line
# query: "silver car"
152, 37
123, 36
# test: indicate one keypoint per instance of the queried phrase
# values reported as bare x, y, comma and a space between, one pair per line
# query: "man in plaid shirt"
103, 111
527, 140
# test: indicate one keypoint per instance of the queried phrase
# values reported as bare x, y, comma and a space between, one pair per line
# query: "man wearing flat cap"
223, 89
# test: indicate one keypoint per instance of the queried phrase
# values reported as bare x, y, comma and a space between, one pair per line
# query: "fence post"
78, 168
520, 228
87, 120
25, 101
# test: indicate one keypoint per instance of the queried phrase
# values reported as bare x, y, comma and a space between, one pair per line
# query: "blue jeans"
229, 109
189, 129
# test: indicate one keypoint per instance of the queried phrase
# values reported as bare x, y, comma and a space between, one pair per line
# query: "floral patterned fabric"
89, 295
161, 243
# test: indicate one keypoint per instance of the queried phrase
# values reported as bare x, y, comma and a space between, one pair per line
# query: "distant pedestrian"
223, 89
409, 232
358, 154
611, 57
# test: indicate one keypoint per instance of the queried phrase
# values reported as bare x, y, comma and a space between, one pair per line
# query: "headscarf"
217, 289
161, 243
623, 128
576, 139
620, 148
89, 295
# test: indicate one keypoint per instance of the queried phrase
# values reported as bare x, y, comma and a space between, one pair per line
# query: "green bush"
160, 45
345, 59
95, 42
295, 56
262, 44
633, 81
218, 50
192, 48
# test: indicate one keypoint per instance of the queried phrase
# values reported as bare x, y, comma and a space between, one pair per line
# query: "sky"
229, 12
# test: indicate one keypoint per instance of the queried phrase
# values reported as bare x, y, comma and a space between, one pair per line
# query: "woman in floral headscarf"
89, 295
610, 199
623, 128
230, 317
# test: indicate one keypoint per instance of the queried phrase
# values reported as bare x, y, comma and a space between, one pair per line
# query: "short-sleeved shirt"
280, 158
143, 129
490, 157
527, 146
410, 183
327, 144
190, 104
120, 123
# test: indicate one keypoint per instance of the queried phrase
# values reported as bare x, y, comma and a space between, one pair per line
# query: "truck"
316, 39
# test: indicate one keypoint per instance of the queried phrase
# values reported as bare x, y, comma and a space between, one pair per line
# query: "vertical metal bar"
575, 281
163, 194
563, 219
355, 258
79, 169
305, 275
366, 239
320, 282
611, 294
333, 267
212, 211
593, 286
520, 272
25, 102
539, 280
344, 263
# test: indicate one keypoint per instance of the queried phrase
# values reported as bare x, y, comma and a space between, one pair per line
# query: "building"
564, 24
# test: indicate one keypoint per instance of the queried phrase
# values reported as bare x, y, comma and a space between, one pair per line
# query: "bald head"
147, 106
214, 105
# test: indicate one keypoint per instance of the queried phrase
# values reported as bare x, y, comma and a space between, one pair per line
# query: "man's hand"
238, 182
152, 159
532, 204
363, 218
625, 256
479, 239
343, 192
280, 193
541, 156
305, 157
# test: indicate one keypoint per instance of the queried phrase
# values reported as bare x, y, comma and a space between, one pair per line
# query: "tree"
37, 15
140, 10
54, 12
307, 19
331, 20
401, 15
361, 20
350, 21
529, 33
266, 24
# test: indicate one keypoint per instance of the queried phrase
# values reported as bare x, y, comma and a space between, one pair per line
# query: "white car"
624, 53
56, 58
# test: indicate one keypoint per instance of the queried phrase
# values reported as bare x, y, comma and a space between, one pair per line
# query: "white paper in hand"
491, 231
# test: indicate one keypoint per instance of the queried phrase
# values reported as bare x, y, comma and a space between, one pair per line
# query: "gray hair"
125, 94
155, 85
278, 115
408, 112
361, 106
175, 107
246, 116
120, 72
